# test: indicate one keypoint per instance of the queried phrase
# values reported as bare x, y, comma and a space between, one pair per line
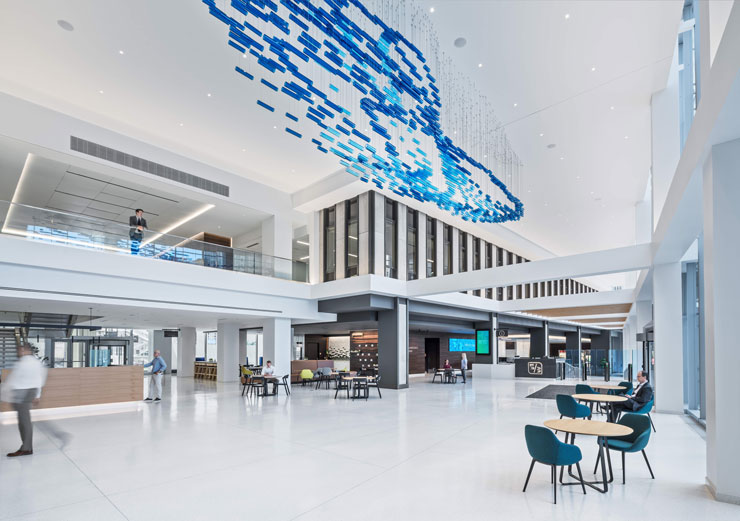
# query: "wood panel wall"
363, 349
417, 353
66, 387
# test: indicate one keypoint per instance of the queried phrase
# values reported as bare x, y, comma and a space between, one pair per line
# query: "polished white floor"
430, 452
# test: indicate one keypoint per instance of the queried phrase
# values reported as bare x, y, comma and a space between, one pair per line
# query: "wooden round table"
601, 429
607, 387
608, 399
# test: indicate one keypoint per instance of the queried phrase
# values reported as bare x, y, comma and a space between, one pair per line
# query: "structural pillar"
539, 341
573, 349
393, 346
227, 352
277, 241
721, 249
242, 346
163, 344
278, 343
668, 327
186, 354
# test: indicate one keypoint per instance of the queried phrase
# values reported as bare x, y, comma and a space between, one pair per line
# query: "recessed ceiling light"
274, 126
460, 42
431, 9
100, 91
516, 105
611, 108
244, 149
480, 65
182, 124
455, 132
626, 137
485, 156
561, 158
64, 24
578, 177
593, 69
209, 94
121, 52
592, 193
542, 134
244, 55
567, 16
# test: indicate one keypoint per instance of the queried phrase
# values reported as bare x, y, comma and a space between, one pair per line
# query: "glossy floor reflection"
430, 452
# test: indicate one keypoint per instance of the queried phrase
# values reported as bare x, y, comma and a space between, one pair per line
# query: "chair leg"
623, 470
648, 464
598, 457
528, 474
379, 395
651, 423
554, 485
580, 476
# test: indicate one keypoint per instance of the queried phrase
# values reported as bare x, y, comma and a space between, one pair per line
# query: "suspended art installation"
359, 89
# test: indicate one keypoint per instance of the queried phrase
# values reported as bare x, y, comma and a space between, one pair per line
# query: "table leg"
592, 484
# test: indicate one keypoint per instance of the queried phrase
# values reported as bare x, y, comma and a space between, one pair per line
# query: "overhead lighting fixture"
303, 242
480, 65
567, 16
460, 42
541, 134
626, 137
593, 69
561, 158
352, 237
121, 52
178, 224
182, 124
100, 92
244, 149
516, 105
304, 258
351, 255
431, 9
209, 94
611, 108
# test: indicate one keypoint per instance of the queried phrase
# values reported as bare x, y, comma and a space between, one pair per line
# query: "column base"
724, 498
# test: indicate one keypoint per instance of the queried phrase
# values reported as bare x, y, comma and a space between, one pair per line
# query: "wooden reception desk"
68, 387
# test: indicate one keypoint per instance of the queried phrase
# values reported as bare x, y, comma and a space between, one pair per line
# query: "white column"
277, 241
278, 344
186, 348
721, 191
242, 346
401, 261
314, 248
422, 244
227, 351
379, 234
339, 212
668, 324
364, 231
164, 346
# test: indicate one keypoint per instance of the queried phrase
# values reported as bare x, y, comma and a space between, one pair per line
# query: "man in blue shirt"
158, 366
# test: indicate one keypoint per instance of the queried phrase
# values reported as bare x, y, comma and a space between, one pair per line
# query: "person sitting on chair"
447, 365
642, 394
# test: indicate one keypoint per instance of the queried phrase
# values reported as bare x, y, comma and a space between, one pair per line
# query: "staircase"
8, 350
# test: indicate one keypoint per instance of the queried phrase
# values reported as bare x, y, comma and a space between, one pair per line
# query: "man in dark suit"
136, 233
642, 394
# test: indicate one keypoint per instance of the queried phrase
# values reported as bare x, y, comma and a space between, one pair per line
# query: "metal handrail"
83, 231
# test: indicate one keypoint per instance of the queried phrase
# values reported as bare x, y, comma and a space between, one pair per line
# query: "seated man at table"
268, 369
642, 394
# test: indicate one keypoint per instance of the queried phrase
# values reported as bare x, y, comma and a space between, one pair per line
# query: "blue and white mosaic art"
362, 91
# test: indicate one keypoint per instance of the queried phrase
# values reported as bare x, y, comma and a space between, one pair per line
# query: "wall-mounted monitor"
483, 342
462, 344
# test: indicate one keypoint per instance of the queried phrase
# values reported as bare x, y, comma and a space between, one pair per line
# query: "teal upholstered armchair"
545, 448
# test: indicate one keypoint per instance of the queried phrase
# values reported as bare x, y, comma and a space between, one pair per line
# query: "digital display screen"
462, 344
483, 342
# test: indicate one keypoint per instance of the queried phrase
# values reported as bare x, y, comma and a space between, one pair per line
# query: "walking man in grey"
158, 366
22, 390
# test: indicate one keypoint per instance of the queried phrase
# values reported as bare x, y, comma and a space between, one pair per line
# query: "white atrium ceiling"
146, 69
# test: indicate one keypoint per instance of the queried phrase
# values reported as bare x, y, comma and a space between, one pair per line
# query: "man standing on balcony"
158, 366
136, 234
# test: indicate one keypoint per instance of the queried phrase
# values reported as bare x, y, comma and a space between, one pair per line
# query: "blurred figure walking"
22, 390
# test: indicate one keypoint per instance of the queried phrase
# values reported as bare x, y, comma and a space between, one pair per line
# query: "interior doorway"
431, 354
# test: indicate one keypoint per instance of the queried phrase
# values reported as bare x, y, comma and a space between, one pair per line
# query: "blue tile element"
360, 62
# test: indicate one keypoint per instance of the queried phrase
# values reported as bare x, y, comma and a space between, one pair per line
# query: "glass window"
463, 251
431, 247
330, 244
476, 253
535, 289
447, 261
352, 244
412, 238
489, 264
390, 237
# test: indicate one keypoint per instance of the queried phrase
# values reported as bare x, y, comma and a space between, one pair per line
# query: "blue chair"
645, 409
635, 442
545, 448
586, 389
570, 408
626, 389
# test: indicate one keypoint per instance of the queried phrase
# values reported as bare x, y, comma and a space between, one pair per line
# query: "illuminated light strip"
303, 242
91, 245
178, 224
17, 190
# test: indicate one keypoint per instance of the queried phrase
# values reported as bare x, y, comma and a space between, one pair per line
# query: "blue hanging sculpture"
399, 95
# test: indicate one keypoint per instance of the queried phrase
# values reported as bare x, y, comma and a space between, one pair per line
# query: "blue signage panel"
462, 344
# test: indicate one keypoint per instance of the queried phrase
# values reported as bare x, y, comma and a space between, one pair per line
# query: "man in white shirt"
269, 369
22, 389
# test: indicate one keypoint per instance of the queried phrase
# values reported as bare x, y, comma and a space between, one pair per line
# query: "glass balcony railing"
80, 231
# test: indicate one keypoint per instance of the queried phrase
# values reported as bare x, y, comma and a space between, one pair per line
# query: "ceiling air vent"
137, 163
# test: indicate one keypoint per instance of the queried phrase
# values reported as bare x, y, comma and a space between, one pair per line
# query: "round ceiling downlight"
460, 42
64, 24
